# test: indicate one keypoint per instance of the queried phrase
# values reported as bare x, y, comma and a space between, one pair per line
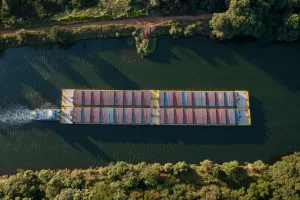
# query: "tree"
168, 167
180, 168
45, 175
175, 31
285, 176
66, 194
150, 176
290, 30
118, 170
207, 166
243, 18
234, 172
211, 192
154, 3
60, 34
261, 189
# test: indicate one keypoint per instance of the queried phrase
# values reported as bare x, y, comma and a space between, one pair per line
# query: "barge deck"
155, 107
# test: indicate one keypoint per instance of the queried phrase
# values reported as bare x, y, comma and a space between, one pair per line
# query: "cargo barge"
155, 107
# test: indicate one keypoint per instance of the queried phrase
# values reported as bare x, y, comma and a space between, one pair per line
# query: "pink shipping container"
76, 115
107, 98
95, 98
229, 99
177, 98
230, 116
86, 97
220, 99
77, 99
200, 116
95, 114
127, 115
178, 116
103, 115
161, 115
221, 116
86, 115
136, 116
211, 116
146, 97
118, 98
187, 116
137, 98
127, 97
118, 115
169, 116
145, 115
162, 98
210, 98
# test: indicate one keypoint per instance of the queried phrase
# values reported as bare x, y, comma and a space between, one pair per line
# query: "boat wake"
14, 116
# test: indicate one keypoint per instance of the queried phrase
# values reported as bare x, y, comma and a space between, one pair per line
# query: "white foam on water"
15, 116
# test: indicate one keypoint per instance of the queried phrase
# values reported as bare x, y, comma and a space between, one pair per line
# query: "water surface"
31, 77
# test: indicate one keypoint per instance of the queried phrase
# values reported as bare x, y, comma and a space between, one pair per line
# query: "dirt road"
140, 21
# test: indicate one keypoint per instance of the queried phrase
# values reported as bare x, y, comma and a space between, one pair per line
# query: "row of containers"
145, 98
161, 116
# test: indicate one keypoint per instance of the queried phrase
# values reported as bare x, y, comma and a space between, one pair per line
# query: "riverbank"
144, 31
122, 180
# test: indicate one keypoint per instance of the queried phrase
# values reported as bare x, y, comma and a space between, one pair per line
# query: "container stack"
155, 107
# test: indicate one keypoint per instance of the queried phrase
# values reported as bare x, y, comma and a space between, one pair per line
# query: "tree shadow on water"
77, 137
206, 48
81, 135
113, 77
278, 60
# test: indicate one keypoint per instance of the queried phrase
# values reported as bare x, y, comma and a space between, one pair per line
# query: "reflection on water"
33, 77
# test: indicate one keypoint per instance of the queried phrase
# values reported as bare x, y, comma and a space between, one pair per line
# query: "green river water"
31, 77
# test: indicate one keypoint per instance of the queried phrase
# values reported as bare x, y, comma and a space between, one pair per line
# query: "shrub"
168, 167
60, 34
180, 168
150, 176
175, 31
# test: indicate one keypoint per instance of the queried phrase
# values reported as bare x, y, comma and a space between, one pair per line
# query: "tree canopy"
122, 180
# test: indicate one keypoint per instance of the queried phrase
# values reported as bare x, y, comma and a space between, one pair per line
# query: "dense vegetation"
146, 44
14, 12
63, 35
275, 19
207, 180
279, 19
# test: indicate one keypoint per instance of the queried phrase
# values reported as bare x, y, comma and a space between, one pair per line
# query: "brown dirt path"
139, 21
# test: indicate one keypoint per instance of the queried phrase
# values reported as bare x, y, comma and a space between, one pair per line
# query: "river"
31, 77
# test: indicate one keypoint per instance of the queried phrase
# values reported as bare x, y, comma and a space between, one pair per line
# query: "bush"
243, 18
118, 170
168, 167
207, 166
60, 34
175, 31
45, 175
189, 30
180, 168
150, 176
